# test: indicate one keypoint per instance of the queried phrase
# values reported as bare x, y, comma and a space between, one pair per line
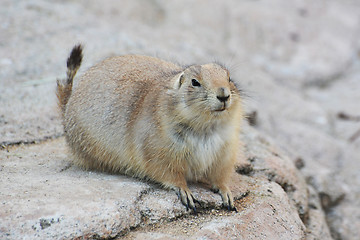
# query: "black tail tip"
75, 58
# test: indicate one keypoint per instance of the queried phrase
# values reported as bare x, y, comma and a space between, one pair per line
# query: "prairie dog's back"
107, 102
123, 73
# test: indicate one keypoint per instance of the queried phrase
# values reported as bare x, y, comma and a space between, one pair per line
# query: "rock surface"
46, 197
298, 61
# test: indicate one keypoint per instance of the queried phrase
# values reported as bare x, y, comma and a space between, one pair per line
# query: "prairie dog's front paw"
187, 198
227, 198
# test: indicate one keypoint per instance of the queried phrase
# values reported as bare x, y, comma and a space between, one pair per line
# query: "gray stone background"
298, 61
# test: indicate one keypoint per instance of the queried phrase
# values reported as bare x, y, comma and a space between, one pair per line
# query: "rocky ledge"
44, 196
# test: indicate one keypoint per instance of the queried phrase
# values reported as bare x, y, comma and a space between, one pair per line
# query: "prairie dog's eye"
195, 83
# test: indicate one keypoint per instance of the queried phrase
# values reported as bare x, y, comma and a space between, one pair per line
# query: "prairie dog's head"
206, 92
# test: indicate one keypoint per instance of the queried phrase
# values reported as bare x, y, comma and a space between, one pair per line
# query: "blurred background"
298, 61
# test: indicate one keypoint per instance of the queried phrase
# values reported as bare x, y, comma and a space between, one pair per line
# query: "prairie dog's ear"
179, 80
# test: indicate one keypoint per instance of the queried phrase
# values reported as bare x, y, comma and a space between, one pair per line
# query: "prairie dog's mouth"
221, 108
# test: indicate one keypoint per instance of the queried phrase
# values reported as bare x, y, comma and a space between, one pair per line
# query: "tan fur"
141, 116
63, 93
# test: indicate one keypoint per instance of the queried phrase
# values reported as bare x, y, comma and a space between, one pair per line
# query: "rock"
47, 197
28, 114
343, 213
292, 47
269, 162
264, 213
315, 220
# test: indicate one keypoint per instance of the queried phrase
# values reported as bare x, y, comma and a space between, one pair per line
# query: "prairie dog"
153, 119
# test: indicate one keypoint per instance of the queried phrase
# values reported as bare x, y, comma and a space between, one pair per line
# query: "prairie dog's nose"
223, 94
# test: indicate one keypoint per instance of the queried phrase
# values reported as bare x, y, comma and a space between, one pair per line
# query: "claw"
194, 210
196, 201
187, 199
228, 201
229, 208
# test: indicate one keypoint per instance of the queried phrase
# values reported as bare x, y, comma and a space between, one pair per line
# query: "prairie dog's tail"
64, 87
